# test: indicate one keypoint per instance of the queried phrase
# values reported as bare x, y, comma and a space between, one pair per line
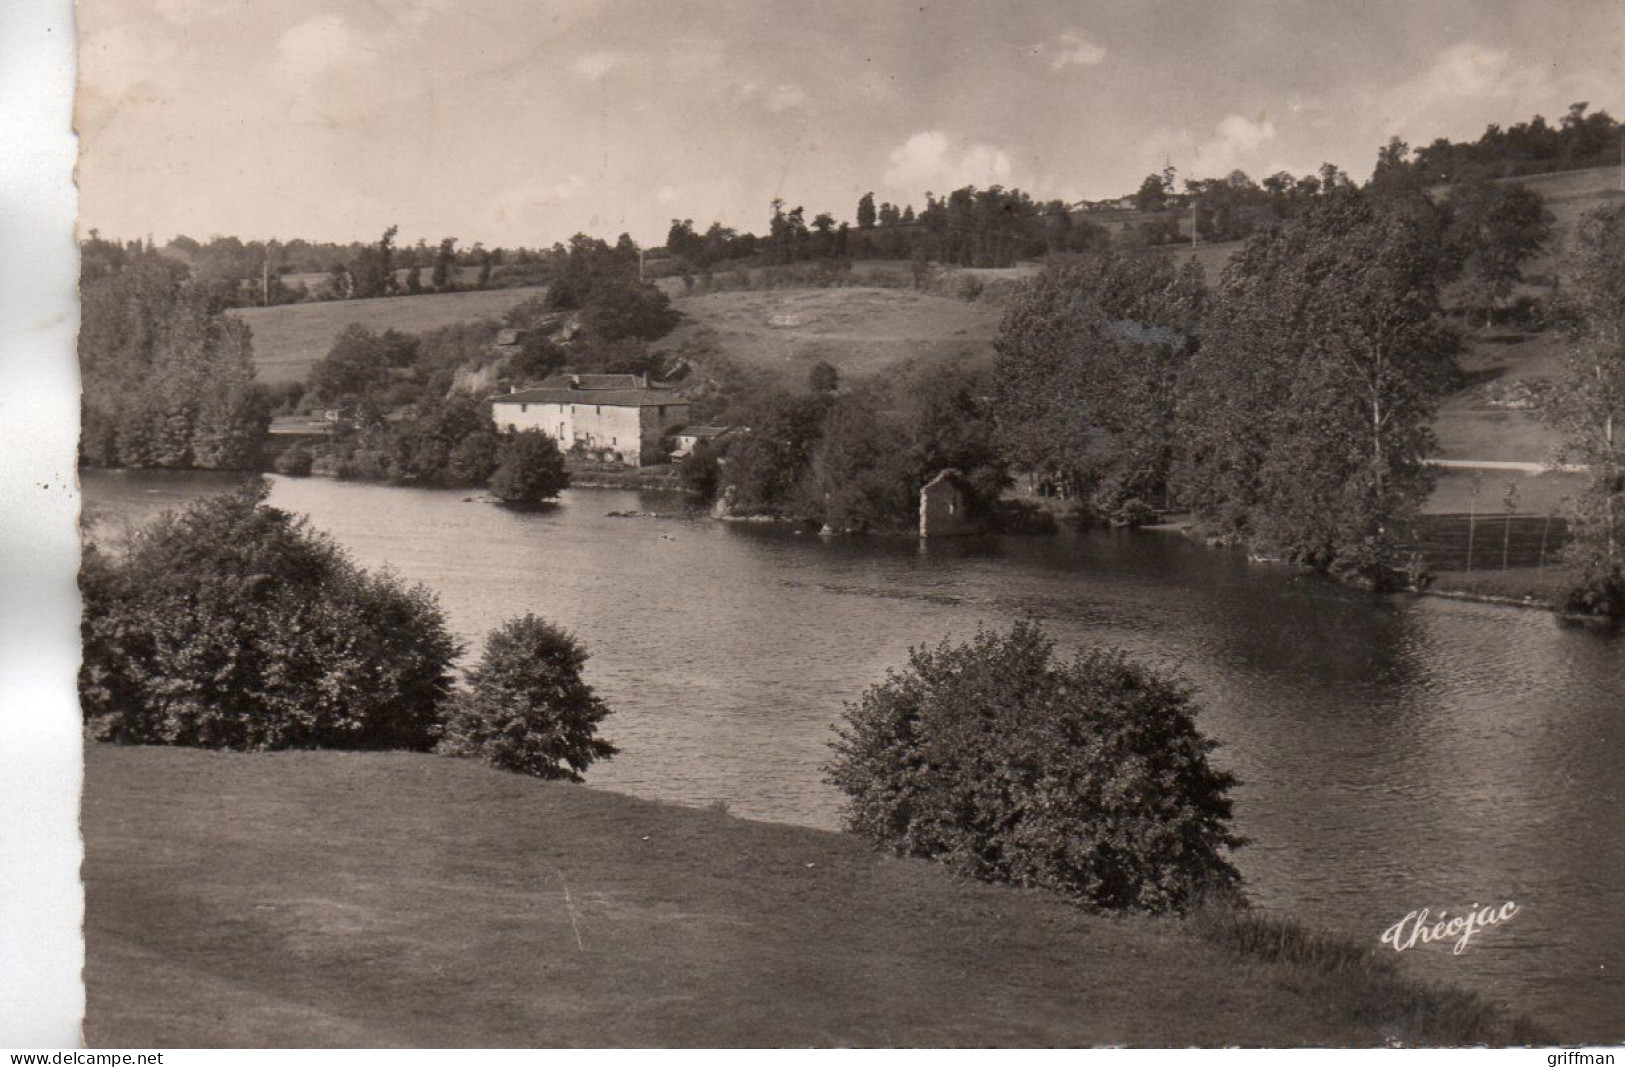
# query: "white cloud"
1072, 49
785, 97
1233, 143
927, 162
316, 46
594, 65
665, 194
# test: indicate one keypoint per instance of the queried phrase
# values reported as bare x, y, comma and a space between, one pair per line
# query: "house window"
662, 411
598, 409
523, 408
613, 441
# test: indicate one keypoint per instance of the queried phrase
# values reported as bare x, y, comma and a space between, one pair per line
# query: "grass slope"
861, 330
290, 338
391, 899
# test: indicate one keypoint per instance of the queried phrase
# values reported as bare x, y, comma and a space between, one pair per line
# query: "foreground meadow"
322, 898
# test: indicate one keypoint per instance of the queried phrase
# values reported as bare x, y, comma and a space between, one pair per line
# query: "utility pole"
1193, 222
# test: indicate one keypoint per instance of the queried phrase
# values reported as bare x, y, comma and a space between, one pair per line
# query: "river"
1395, 753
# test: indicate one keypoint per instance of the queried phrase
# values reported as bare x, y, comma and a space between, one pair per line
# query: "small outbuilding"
942, 508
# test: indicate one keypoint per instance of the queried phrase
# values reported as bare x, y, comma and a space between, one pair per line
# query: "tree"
1587, 405
445, 258
1496, 228
1089, 363
1305, 413
356, 366
374, 270
168, 380
1152, 194
1087, 778
532, 470
231, 624
866, 211
823, 378
526, 708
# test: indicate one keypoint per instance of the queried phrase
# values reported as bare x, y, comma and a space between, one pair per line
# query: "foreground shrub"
1088, 778
233, 625
527, 708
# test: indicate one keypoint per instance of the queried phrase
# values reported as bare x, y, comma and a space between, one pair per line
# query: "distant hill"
290, 338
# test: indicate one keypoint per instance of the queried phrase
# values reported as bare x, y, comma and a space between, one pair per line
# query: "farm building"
617, 417
942, 508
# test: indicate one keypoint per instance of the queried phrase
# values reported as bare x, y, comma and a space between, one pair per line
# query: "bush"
527, 708
294, 461
1088, 778
233, 625
532, 470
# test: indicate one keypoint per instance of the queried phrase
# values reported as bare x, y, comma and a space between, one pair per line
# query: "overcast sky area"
521, 122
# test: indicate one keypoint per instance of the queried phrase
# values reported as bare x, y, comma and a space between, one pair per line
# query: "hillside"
388, 899
290, 338
862, 331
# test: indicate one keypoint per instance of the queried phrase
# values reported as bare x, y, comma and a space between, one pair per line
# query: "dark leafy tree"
532, 470
1304, 415
1087, 778
1588, 406
1089, 366
527, 708
866, 211
231, 624
1496, 228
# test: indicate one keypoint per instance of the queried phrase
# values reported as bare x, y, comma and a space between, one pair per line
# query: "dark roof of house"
615, 398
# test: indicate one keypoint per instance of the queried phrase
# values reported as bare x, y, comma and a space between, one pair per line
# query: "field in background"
862, 331
388, 900
291, 338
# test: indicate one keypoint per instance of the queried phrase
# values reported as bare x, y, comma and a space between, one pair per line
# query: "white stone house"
618, 417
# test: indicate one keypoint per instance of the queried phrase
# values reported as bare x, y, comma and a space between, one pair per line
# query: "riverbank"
325, 898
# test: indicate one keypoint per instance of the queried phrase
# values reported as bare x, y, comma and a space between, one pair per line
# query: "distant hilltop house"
617, 417
691, 437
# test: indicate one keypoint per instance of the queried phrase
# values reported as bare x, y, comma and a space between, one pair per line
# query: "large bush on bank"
527, 708
1088, 778
532, 469
231, 624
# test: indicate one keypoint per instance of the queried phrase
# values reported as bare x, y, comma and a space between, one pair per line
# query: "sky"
522, 122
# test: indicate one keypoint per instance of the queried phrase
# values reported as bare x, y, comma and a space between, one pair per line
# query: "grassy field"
861, 330
290, 338
315, 898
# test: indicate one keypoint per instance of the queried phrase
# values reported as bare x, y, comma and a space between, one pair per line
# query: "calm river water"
1395, 754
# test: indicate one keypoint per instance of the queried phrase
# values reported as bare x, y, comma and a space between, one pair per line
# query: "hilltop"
390, 899
861, 330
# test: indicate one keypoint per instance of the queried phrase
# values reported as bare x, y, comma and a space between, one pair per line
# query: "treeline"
1578, 141
1228, 208
969, 227
254, 273
166, 379
1286, 407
